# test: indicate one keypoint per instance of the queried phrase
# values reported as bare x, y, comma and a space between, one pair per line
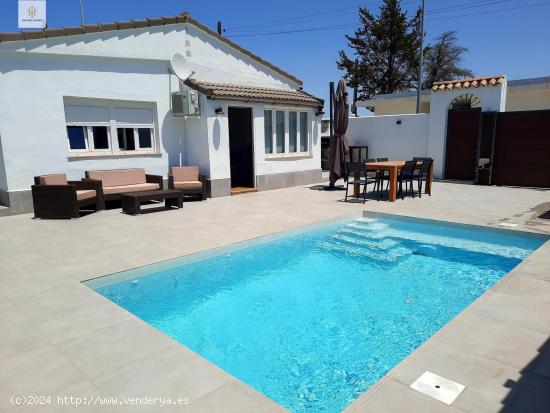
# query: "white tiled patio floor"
57, 337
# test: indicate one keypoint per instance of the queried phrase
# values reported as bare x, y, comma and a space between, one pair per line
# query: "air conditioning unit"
186, 103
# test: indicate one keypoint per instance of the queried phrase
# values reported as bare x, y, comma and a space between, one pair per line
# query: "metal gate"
461, 149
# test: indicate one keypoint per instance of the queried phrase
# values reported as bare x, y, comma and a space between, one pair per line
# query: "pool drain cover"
438, 387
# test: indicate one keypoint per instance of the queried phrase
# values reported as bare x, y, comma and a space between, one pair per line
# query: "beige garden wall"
528, 100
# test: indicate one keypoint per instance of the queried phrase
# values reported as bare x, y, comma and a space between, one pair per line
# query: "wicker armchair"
188, 180
56, 198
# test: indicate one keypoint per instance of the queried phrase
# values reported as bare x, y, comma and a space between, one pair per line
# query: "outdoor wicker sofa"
188, 180
115, 182
56, 198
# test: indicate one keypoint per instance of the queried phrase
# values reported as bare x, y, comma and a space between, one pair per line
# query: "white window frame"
112, 132
85, 138
89, 136
272, 133
308, 131
136, 136
287, 153
135, 127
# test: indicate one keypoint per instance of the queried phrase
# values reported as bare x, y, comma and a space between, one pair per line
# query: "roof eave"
266, 101
209, 90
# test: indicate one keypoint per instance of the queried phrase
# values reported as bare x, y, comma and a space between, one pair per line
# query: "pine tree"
386, 48
442, 60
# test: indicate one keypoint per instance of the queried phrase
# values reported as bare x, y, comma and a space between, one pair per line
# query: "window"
77, 138
100, 137
268, 131
126, 140
145, 138
88, 138
286, 132
292, 131
109, 127
280, 131
304, 133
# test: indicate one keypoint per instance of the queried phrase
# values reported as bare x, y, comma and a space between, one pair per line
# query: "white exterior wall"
3, 180
32, 122
218, 138
386, 138
268, 165
422, 134
129, 65
492, 98
196, 141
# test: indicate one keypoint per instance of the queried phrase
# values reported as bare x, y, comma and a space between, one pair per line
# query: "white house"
100, 97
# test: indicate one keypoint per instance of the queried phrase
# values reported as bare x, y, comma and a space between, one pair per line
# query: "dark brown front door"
241, 147
463, 128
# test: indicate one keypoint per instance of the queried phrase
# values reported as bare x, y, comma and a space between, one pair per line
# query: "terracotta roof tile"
72, 31
54, 32
169, 20
141, 23
34, 35
125, 25
91, 28
160, 21
12, 37
156, 21
244, 93
469, 83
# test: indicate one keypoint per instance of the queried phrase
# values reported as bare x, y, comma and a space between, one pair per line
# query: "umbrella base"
333, 188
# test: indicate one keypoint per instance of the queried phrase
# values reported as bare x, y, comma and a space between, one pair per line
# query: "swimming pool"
313, 318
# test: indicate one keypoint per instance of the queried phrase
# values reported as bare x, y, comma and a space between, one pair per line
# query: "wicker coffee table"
131, 202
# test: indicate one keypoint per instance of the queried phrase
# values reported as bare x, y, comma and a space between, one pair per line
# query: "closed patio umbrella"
338, 141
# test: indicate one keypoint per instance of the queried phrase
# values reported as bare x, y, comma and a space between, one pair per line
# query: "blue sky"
515, 41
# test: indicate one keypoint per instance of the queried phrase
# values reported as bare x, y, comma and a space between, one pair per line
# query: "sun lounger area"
54, 197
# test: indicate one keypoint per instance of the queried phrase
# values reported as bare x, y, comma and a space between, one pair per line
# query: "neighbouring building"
522, 94
103, 97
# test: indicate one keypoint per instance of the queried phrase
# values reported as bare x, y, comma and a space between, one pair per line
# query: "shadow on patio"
531, 393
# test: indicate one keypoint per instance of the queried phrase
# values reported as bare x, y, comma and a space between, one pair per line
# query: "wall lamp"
320, 112
219, 111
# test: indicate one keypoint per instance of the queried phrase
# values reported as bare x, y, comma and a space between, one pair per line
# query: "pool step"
367, 225
366, 238
379, 244
388, 256
353, 232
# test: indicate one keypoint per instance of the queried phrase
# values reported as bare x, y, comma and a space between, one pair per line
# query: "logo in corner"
31, 12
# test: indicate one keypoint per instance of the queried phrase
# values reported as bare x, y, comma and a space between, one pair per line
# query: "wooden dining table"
394, 167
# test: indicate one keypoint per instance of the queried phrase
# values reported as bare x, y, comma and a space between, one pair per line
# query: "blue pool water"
314, 319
